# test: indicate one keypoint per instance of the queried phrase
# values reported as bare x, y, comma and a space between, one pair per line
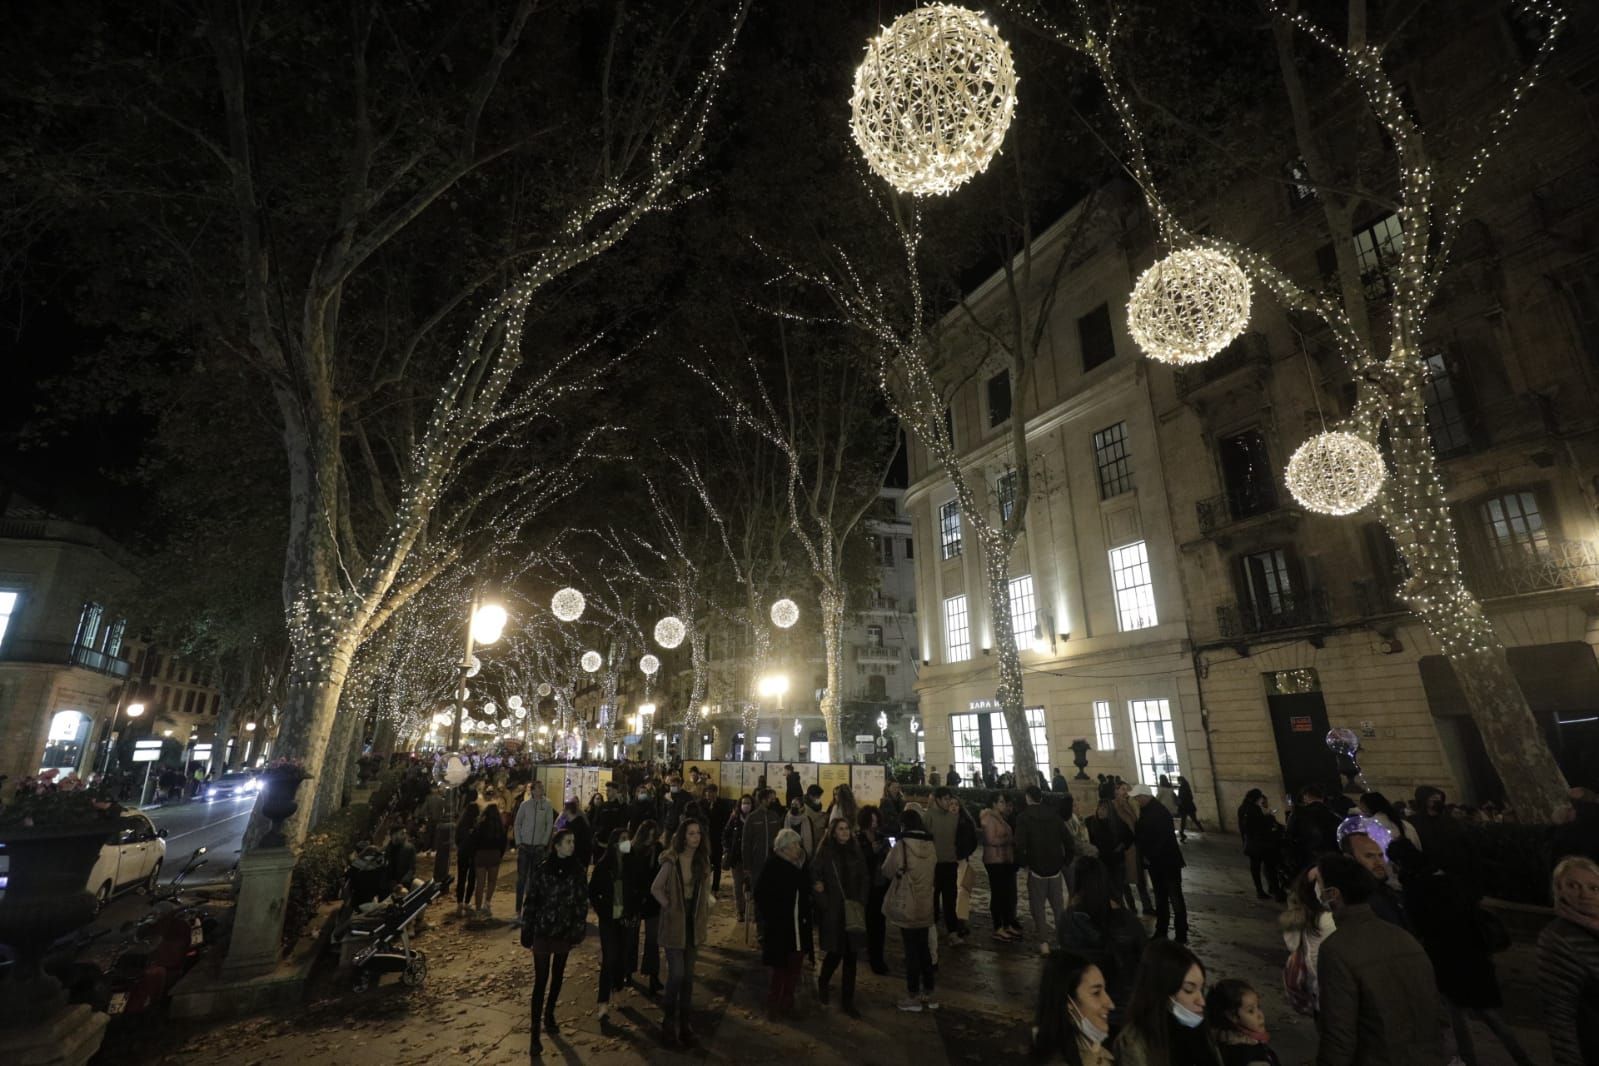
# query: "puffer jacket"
556, 908
909, 869
999, 839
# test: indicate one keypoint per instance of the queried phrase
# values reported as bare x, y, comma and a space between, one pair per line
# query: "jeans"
1466, 1048
1169, 897
613, 956
1182, 825
679, 995
650, 964
1041, 890
945, 892
1001, 894
918, 962
716, 868
1137, 876
830, 964
465, 877
528, 857
785, 978
1256, 866
876, 927
547, 973
741, 890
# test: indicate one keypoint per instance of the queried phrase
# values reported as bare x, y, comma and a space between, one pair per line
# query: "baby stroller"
381, 939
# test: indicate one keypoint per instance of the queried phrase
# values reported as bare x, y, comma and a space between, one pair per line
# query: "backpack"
1299, 982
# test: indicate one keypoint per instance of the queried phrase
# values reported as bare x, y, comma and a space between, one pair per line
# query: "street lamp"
485, 624
488, 623
775, 686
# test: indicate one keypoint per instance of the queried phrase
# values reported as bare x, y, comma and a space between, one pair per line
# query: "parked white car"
131, 859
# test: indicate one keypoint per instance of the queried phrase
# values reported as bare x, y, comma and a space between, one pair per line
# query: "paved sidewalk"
474, 1008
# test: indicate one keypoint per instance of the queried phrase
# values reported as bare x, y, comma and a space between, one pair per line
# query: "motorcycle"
161, 947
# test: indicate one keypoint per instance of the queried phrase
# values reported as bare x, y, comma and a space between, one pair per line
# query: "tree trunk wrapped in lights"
1390, 370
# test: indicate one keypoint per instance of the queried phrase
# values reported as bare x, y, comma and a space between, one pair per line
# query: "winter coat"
1156, 838
716, 816
1568, 978
1044, 844
818, 826
1240, 1051
1312, 833
1185, 799
1114, 946
954, 833
1445, 922
1261, 832
1379, 1005
535, 823
909, 869
638, 875
874, 855
608, 818
1184, 1047
733, 840
556, 908
641, 811
760, 829
891, 810
1058, 783
801, 824
488, 840
792, 788
783, 895
673, 896
1111, 838
999, 839
602, 891
842, 873
464, 827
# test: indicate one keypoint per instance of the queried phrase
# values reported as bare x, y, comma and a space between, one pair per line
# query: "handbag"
854, 910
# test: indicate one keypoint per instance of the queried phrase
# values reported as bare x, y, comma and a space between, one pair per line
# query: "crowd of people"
1388, 946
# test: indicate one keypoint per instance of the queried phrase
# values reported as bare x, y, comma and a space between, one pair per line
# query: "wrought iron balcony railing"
1557, 564
63, 654
1299, 610
869, 654
1217, 512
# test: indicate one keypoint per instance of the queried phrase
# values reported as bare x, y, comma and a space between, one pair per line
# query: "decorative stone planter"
46, 897
279, 801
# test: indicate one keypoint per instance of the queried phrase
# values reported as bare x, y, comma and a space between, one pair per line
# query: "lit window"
966, 737
8, 607
1005, 493
89, 625
1135, 591
949, 529
1377, 253
1514, 528
1104, 726
1155, 739
1115, 465
957, 629
1023, 610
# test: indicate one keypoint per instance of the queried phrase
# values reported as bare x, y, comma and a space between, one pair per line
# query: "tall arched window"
69, 731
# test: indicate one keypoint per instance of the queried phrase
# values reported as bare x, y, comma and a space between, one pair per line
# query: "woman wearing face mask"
554, 915
1072, 1022
638, 875
1568, 963
608, 895
1232, 1010
1166, 1016
733, 851
682, 887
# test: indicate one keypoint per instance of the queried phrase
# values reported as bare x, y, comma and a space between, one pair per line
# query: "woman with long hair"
1304, 923
874, 847
844, 806
842, 884
465, 870
489, 840
682, 887
1263, 842
1165, 1020
608, 895
1099, 928
1375, 806
1072, 1021
554, 915
639, 869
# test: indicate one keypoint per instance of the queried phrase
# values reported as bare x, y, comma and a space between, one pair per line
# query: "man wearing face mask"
677, 797
642, 809
1378, 993
532, 826
760, 830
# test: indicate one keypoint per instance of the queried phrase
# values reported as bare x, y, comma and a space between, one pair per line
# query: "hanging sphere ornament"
1335, 473
933, 99
785, 613
473, 665
544, 689
489, 708
669, 631
649, 664
592, 661
515, 703
520, 712
568, 604
1189, 306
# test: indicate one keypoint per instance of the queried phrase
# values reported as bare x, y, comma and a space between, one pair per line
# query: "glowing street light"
249, 727
135, 710
773, 685
488, 623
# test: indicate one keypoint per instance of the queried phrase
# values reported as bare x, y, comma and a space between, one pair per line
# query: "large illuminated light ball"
1189, 306
592, 661
544, 689
515, 703
785, 613
933, 99
474, 666
649, 664
489, 709
669, 631
567, 605
1335, 473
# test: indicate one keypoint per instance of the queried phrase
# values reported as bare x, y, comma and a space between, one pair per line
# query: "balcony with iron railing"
1230, 508
1554, 564
1299, 610
867, 653
61, 653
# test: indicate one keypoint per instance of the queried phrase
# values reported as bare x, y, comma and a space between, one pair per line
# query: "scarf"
1576, 917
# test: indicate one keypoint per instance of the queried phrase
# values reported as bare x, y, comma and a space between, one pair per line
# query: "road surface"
217, 827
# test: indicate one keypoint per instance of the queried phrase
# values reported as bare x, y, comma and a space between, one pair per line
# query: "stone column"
258, 917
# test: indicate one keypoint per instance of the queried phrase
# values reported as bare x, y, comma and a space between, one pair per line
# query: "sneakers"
1043, 949
604, 1014
929, 1003
912, 1006
954, 940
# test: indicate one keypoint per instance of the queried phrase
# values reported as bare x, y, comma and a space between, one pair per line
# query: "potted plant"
51, 834
280, 784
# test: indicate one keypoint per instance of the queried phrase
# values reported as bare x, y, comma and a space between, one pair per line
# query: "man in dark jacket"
1155, 836
609, 817
1386, 903
792, 789
1044, 848
1378, 993
760, 829
1058, 782
717, 812
642, 809
677, 797
1312, 829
